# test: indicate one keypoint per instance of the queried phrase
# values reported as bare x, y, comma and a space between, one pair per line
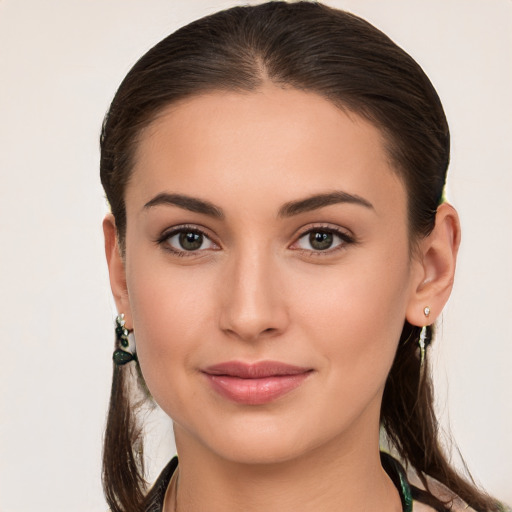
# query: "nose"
253, 304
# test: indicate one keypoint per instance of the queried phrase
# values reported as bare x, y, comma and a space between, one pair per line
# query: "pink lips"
257, 383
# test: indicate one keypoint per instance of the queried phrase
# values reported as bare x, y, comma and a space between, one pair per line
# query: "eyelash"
163, 240
345, 239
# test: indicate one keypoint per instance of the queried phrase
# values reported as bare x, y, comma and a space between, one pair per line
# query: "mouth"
255, 384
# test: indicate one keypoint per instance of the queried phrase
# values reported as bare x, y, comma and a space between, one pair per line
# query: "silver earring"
125, 343
422, 342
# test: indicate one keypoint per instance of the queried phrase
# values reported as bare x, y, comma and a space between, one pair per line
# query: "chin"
265, 441
261, 451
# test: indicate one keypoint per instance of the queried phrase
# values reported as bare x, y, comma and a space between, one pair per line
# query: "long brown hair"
343, 58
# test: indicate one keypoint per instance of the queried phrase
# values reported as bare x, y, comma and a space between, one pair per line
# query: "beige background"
60, 62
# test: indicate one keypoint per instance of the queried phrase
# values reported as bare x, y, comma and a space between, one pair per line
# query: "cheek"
356, 318
172, 314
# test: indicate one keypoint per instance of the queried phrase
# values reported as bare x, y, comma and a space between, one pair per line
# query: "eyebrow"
187, 203
287, 210
319, 201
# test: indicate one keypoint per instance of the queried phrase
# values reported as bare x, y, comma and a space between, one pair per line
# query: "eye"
322, 240
187, 240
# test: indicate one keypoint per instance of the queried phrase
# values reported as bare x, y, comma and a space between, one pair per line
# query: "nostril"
253, 333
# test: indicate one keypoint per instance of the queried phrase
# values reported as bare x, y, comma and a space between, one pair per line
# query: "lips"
257, 383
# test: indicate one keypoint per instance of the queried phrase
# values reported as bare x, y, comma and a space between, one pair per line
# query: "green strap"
406, 491
397, 474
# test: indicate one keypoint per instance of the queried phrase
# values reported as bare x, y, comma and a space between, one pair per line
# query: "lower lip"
255, 391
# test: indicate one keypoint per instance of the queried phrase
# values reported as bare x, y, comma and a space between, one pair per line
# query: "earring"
125, 343
422, 342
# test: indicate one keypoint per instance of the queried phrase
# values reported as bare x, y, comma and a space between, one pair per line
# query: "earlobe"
116, 268
435, 268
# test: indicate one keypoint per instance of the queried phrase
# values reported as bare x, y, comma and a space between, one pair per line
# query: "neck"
340, 476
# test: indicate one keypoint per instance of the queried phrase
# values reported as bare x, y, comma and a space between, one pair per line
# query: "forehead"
279, 142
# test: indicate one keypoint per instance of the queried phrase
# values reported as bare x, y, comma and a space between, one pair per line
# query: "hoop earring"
125, 343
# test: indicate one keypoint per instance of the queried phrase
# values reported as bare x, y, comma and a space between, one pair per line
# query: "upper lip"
257, 370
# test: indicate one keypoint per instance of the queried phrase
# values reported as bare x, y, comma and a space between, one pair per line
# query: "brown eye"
190, 241
321, 240
181, 241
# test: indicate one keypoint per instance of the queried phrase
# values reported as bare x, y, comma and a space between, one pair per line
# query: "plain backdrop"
60, 64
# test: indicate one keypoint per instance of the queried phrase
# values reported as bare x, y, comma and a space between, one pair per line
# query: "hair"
314, 48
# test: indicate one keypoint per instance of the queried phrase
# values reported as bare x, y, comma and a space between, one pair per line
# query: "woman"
280, 249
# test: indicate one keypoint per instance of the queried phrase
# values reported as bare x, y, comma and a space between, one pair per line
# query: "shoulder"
440, 491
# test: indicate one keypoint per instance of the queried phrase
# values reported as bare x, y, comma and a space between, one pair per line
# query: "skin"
258, 290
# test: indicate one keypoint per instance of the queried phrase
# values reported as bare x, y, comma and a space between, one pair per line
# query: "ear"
116, 269
434, 268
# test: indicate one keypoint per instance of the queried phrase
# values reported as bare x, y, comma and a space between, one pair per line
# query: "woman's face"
268, 272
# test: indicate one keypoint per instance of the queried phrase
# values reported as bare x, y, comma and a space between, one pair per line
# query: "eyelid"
174, 230
347, 238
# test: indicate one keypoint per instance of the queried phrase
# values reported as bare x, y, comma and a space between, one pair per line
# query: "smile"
255, 384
